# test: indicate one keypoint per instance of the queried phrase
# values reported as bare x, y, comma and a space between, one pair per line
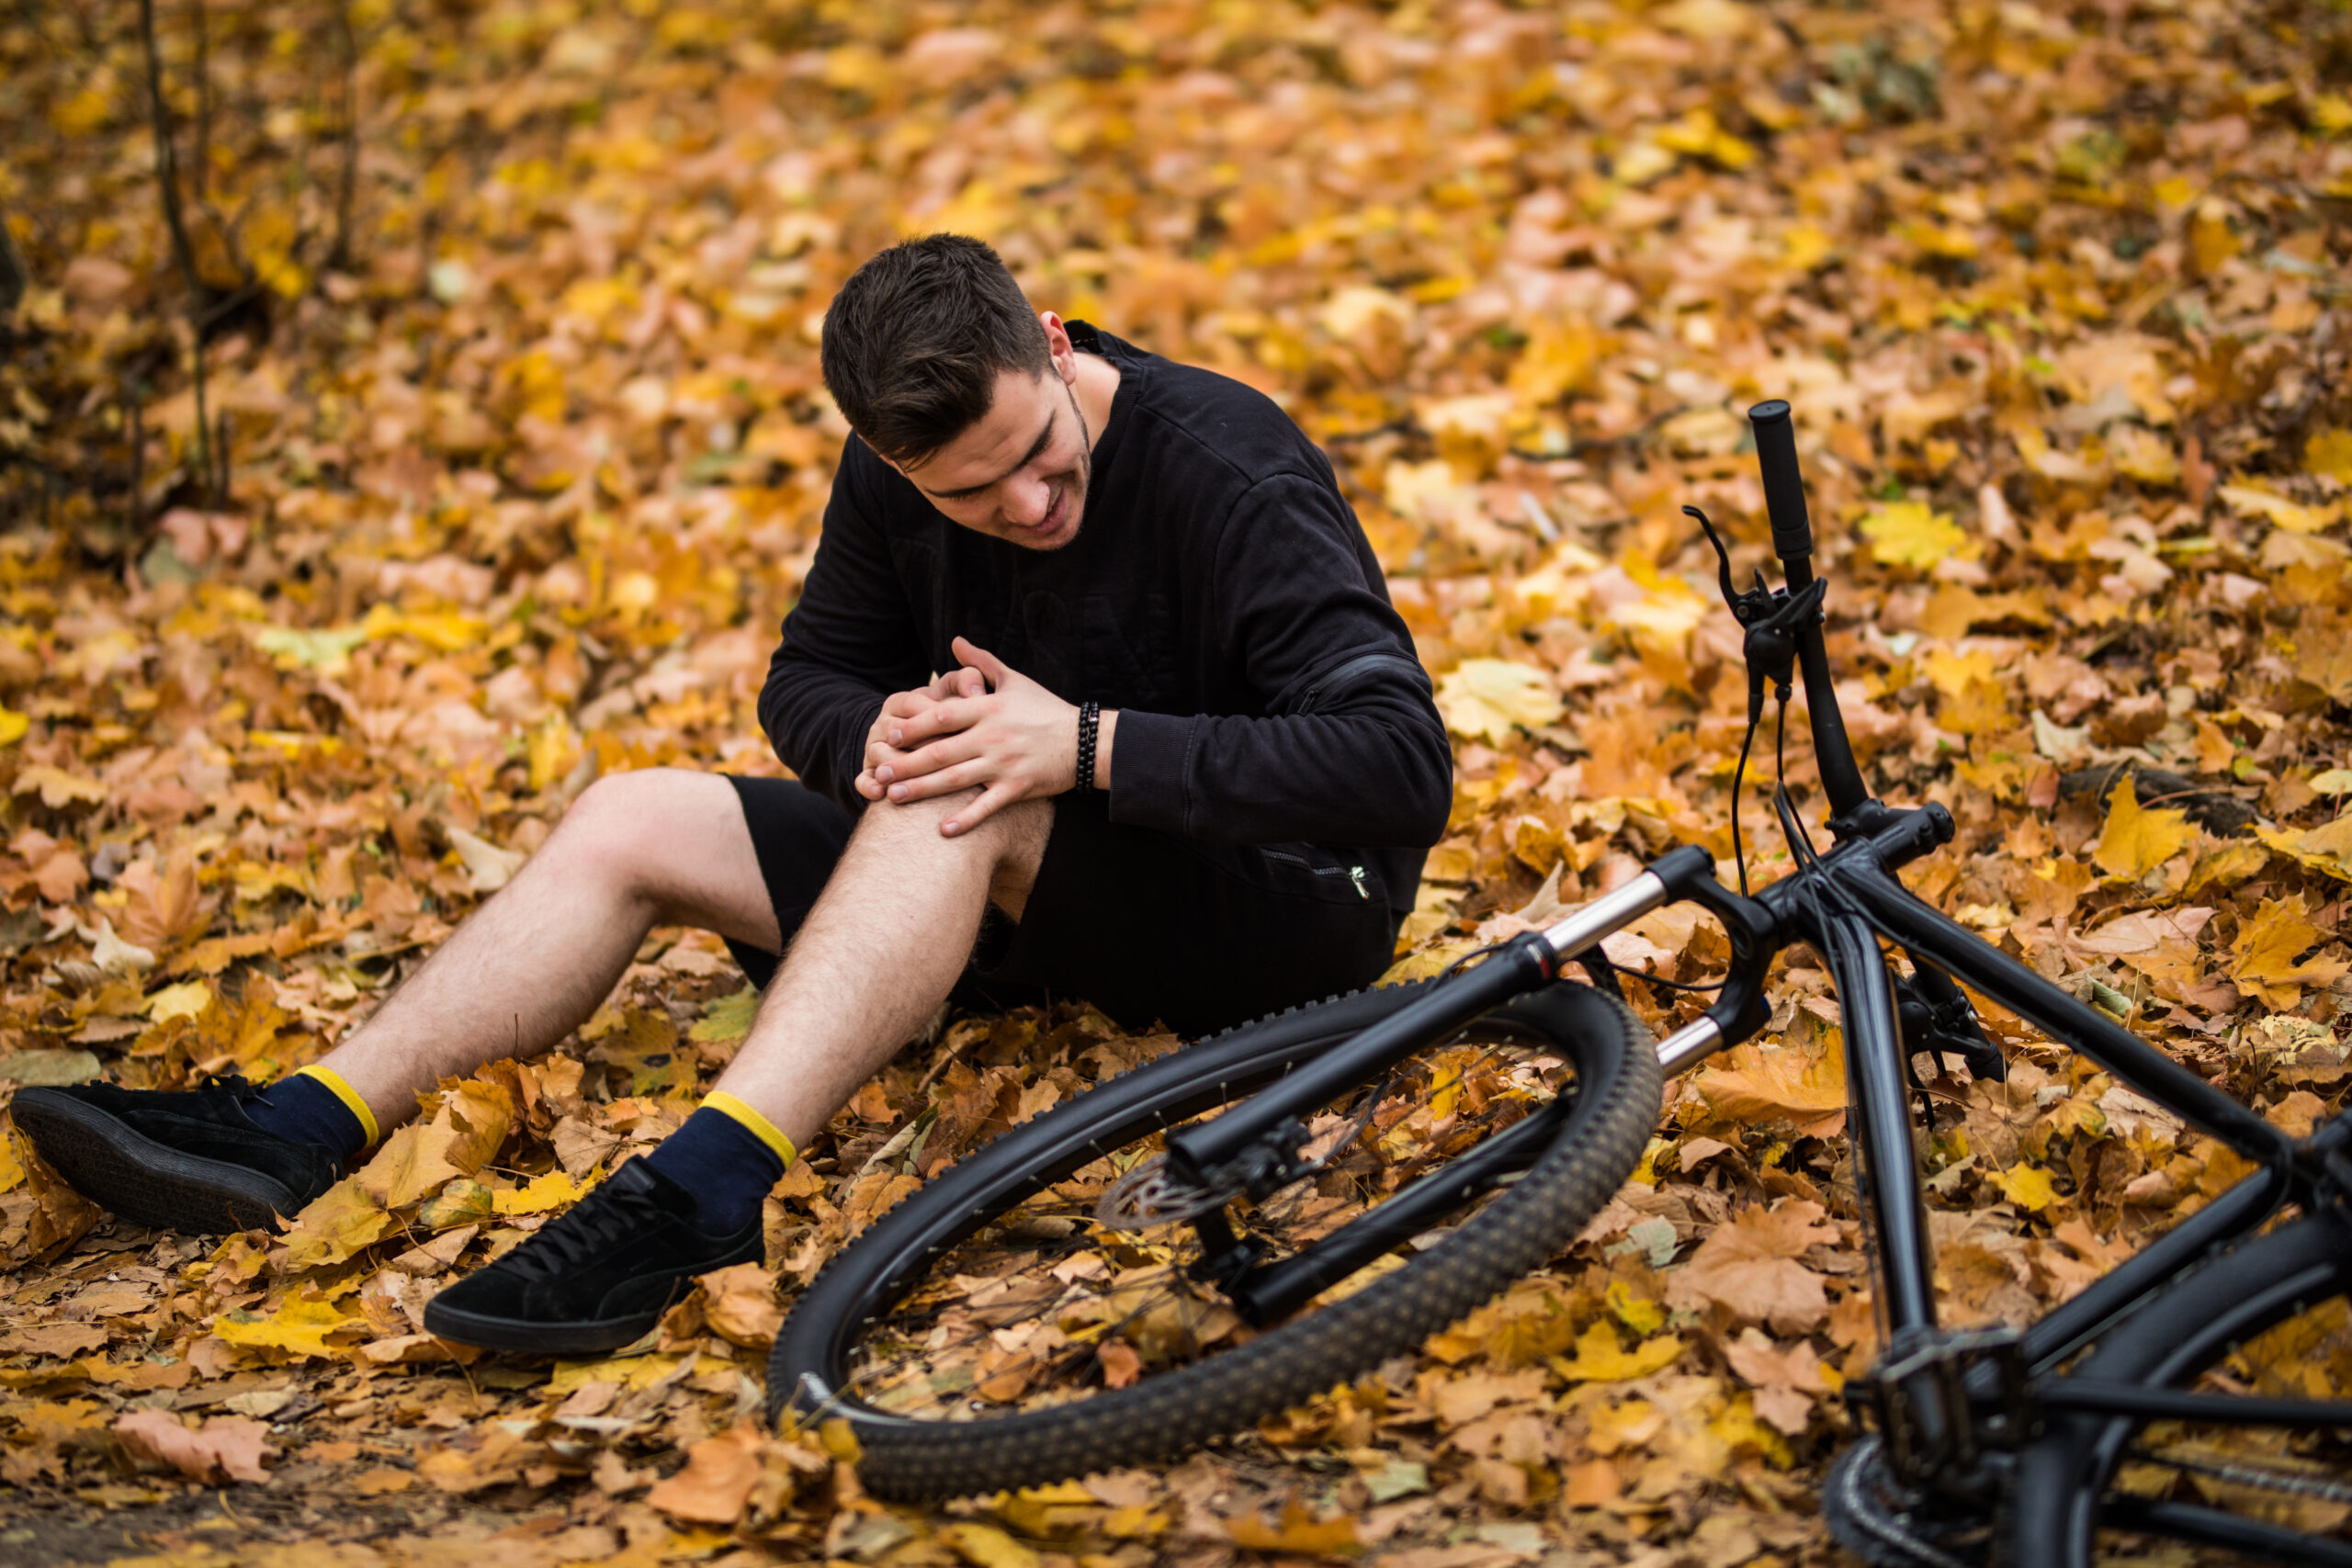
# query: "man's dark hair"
916, 338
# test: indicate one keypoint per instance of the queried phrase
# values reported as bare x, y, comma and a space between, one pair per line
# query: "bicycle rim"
2270, 1318
992, 1331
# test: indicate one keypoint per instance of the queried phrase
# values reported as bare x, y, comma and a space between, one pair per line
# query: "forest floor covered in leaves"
513, 453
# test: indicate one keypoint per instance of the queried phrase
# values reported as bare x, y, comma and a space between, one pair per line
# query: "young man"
1182, 762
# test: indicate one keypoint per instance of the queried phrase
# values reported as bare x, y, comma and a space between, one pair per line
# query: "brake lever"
1772, 620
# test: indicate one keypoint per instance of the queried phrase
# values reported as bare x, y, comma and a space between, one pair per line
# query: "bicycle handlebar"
1776, 452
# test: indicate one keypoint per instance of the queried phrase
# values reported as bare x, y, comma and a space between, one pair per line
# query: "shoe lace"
585, 1234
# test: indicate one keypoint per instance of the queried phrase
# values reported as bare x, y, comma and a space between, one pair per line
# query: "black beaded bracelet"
1089, 715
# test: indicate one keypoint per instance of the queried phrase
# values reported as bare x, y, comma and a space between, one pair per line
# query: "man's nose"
1027, 500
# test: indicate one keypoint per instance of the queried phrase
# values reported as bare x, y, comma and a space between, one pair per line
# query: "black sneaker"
600, 1275
189, 1160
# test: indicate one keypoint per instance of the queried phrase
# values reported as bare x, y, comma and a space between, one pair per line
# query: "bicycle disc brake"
1151, 1195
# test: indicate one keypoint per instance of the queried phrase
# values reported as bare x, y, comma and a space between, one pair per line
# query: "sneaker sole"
486, 1333
137, 1178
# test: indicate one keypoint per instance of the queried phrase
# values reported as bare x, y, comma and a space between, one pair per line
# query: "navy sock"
723, 1164
303, 1109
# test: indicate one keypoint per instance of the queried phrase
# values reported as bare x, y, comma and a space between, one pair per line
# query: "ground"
509, 451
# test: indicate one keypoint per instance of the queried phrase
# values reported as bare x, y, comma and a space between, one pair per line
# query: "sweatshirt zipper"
1354, 873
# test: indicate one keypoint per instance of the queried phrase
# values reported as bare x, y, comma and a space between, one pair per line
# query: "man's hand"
1016, 742
900, 706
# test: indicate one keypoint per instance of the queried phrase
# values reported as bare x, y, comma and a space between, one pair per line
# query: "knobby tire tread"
1165, 1416
2051, 1518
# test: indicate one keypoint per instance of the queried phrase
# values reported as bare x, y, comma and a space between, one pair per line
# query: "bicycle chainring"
1888, 1525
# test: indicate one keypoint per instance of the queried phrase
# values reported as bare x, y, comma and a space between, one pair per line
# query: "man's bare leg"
659, 847
880, 951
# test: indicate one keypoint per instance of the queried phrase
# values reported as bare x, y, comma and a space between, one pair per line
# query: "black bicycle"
1254, 1220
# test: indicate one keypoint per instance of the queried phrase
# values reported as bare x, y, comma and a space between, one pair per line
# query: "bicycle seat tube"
1776, 454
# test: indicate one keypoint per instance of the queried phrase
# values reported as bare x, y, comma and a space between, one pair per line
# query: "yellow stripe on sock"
350, 1098
733, 1107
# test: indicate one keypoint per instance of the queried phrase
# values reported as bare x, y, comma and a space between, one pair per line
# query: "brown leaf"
717, 1480
1749, 1266
226, 1448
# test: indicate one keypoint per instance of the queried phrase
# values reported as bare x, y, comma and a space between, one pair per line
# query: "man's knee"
632, 828
1012, 836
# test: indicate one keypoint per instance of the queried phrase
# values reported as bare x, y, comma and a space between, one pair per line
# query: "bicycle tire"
2052, 1516
1599, 1140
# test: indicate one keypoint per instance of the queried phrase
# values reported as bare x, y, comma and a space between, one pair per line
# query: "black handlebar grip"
1776, 453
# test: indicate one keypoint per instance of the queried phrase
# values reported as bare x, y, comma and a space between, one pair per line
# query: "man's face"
1020, 474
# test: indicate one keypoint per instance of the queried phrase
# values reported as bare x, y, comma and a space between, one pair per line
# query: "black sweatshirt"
1219, 595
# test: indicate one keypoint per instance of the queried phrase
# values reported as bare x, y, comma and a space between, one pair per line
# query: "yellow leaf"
411, 1166
2327, 848
2247, 501
186, 999
13, 725
2329, 453
2027, 1186
985, 1546
1910, 533
2262, 957
2137, 841
341, 1221
1599, 1360
298, 1325
1641, 1315
1482, 699
327, 651
1761, 1084
553, 1190
1300, 1532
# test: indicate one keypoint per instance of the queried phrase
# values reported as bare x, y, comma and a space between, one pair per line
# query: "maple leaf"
300, 1326
1784, 1379
717, 1480
2027, 1186
1300, 1532
740, 1306
555, 1190
226, 1448
2137, 841
2328, 451
1748, 1265
1758, 1083
2326, 848
1484, 698
1598, 1358
409, 1166
2263, 956
1912, 534
345, 1219
727, 1017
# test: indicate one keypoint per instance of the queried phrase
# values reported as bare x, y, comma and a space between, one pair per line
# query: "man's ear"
1058, 344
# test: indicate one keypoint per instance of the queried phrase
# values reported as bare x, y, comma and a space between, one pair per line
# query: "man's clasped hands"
982, 725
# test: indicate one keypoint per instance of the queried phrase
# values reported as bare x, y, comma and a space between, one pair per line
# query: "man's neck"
1097, 388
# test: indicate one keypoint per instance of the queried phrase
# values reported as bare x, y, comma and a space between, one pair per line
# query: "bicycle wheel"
995, 1330
2268, 1318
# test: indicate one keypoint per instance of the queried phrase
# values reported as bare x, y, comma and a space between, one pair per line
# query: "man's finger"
940, 718
944, 780
991, 799
892, 767
981, 660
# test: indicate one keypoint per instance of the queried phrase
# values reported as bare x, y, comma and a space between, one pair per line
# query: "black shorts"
1145, 925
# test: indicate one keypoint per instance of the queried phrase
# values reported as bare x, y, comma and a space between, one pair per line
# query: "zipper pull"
1355, 874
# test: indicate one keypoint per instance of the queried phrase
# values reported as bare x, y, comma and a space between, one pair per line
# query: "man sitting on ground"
1183, 763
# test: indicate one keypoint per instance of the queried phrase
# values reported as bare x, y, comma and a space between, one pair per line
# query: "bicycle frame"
1844, 903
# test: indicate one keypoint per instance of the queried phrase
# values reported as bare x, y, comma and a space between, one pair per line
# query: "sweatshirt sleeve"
849, 642
1351, 750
